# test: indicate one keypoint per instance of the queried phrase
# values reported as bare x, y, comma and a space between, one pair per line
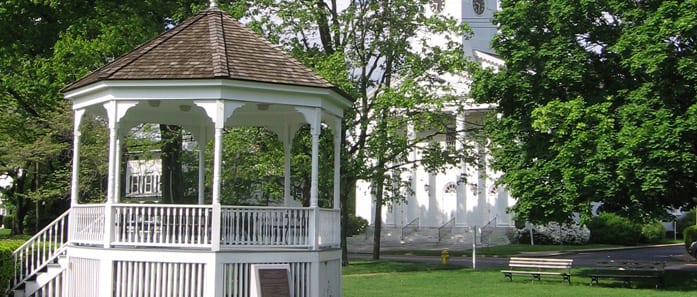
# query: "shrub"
7, 221
7, 262
614, 229
653, 232
356, 225
684, 221
552, 234
689, 235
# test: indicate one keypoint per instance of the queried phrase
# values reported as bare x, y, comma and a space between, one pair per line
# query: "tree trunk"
172, 177
379, 182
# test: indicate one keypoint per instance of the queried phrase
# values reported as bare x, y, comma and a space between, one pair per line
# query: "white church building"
445, 200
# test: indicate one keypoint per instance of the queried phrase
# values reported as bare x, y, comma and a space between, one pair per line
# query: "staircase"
40, 262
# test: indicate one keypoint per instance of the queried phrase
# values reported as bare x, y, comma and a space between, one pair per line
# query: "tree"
597, 104
379, 52
44, 45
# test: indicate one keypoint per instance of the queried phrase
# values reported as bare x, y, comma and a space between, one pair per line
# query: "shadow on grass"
674, 280
380, 266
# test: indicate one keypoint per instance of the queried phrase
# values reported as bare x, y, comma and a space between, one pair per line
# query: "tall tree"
44, 45
379, 52
597, 103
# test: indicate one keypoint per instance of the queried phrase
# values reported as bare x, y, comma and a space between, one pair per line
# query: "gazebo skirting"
174, 250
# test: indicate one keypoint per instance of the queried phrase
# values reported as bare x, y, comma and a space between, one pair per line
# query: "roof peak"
210, 44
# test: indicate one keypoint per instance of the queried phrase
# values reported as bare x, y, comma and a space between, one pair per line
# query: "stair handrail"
40, 250
450, 222
412, 224
487, 229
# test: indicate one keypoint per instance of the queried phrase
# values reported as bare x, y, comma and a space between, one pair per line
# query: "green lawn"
384, 278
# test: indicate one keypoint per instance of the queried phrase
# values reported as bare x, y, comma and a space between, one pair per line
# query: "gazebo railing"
87, 224
265, 226
162, 225
189, 226
329, 229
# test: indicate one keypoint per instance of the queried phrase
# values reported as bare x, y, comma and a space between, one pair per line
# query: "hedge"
7, 262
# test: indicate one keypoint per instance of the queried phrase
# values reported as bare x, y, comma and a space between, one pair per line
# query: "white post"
287, 145
106, 276
213, 280
75, 185
117, 171
217, 164
111, 181
115, 111
474, 248
201, 172
315, 131
337, 163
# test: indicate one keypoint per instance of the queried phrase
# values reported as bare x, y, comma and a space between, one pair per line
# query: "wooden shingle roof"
209, 45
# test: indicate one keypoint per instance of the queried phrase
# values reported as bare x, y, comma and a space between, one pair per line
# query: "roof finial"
213, 4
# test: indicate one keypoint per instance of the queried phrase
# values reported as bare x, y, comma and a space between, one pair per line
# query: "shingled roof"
209, 45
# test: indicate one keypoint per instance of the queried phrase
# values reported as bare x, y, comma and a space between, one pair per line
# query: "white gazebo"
207, 74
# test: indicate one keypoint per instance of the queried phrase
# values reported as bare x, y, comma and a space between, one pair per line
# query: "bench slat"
535, 267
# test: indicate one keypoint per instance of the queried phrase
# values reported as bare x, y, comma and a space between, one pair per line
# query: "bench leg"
594, 279
566, 277
536, 277
628, 282
508, 275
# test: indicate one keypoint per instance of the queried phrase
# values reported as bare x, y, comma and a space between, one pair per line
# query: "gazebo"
205, 75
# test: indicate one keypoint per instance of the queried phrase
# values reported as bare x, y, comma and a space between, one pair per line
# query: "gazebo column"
337, 162
75, 181
202, 137
219, 111
285, 134
314, 117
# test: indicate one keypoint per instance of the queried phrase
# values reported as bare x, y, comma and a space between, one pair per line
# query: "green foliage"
614, 229
7, 262
356, 225
686, 220
689, 235
613, 121
653, 232
7, 221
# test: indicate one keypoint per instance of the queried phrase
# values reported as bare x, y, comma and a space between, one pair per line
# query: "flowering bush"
553, 233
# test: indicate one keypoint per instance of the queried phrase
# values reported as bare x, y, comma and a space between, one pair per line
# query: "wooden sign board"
271, 280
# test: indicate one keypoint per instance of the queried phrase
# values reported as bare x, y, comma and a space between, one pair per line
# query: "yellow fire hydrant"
444, 257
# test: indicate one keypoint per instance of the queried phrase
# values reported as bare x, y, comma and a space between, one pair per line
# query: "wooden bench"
537, 267
627, 270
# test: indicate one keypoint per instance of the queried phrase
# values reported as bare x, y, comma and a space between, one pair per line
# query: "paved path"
674, 255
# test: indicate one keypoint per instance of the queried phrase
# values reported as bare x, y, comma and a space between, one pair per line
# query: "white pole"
474, 248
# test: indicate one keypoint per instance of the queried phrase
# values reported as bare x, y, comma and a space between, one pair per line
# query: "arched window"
450, 188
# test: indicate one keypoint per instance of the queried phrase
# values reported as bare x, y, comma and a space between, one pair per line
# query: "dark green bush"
7, 262
653, 232
689, 235
7, 221
684, 221
613, 229
356, 225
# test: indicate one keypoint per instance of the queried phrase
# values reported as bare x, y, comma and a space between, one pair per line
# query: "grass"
5, 235
385, 278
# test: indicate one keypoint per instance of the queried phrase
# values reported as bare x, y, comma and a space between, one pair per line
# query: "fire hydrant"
444, 257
